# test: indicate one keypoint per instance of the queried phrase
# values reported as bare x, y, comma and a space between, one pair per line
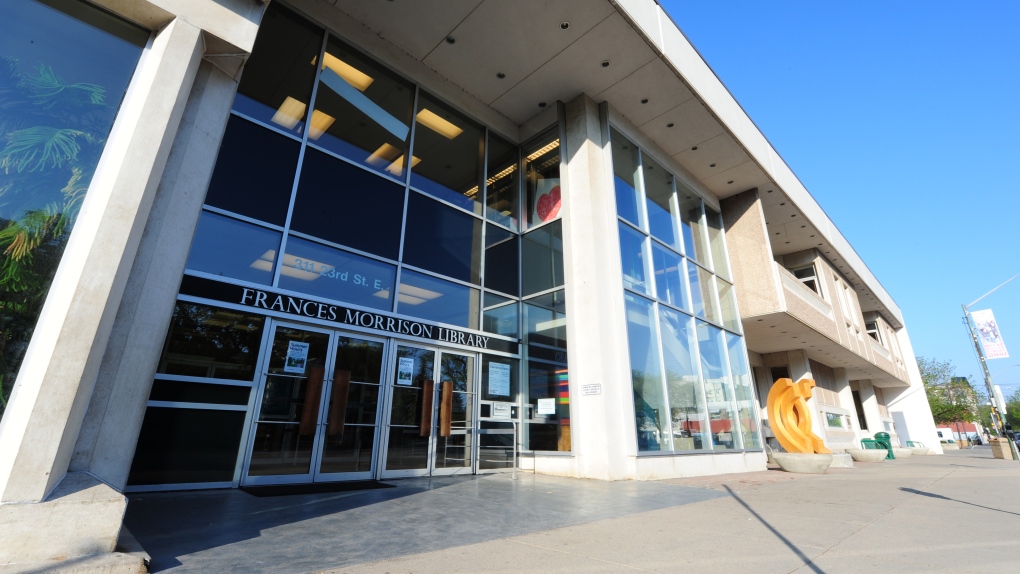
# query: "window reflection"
690, 221
448, 155
232, 248
500, 315
718, 388
442, 239
327, 272
276, 85
625, 168
362, 111
548, 395
660, 202
743, 388
433, 299
254, 172
502, 260
715, 238
686, 397
542, 173
632, 256
347, 205
501, 191
728, 305
669, 276
650, 411
206, 341
542, 258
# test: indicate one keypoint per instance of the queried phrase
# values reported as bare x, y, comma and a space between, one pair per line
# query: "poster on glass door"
547, 200
405, 371
297, 357
499, 379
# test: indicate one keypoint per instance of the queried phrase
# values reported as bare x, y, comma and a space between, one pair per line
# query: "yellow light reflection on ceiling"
290, 268
544, 150
354, 76
290, 113
320, 123
474, 190
429, 119
424, 294
391, 155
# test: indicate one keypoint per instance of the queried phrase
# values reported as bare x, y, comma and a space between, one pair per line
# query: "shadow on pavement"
939, 496
776, 533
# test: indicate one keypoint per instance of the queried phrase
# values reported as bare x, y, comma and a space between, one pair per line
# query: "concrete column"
870, 405
39, 430
846, 400
756, 278
106, 445
910, 405
603, 433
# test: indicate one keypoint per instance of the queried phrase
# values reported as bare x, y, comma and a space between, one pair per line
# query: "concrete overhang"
518, 58
778, 332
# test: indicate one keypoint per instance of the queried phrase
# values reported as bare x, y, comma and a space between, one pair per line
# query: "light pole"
996, 416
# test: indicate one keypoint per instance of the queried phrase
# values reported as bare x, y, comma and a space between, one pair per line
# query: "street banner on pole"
988, 332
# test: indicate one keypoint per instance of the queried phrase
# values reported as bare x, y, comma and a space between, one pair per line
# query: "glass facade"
64, 69
691, 381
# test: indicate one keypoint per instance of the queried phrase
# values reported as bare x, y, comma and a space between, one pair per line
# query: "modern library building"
248, 243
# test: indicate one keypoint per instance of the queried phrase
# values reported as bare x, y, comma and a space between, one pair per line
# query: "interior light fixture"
431, 120
397, 167
354, 76
290, 113
418, 292
403, 298
265, 262
543, 150
320, 123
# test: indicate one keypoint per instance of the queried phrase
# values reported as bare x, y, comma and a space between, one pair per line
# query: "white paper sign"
595, 389
501, 410
297, 357
546, 406
405, 371
499, 379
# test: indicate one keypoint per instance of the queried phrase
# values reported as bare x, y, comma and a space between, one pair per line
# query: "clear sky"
903, 120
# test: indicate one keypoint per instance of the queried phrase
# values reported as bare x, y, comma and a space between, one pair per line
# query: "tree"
51, 136
951, 398
1013, 410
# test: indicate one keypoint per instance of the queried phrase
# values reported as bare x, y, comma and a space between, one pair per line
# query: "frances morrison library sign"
268, 300
988, 332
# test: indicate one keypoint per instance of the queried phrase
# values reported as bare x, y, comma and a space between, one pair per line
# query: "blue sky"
903, 120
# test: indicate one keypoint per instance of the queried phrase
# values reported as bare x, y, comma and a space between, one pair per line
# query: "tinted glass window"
347, 205
718, 389
501, 191
64, 68
182, 392
187, 445
501, 260
686, 397
362, 111
625, 168
690, 221
447, 160
650, 410
254, 172
743, 387
232, 248
334, 274
206, 341
542, 258
436, 300
276, 85
542, 173
728, 305
442, 239
715, 239
547, 388
632, 256
660, 203
669, 276
500, 315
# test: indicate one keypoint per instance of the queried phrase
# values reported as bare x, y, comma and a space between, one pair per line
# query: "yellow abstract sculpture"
790, 418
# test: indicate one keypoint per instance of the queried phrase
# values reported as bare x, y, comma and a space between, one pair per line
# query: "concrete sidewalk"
953, 513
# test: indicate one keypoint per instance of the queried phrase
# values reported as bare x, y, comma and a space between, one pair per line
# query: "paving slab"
898, 516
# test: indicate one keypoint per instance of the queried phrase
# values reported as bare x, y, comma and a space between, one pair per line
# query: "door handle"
445, 408
427, 398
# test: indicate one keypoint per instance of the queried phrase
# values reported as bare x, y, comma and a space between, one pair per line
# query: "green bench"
870, 443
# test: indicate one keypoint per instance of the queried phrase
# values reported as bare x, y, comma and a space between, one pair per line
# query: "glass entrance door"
432, 404
317, 407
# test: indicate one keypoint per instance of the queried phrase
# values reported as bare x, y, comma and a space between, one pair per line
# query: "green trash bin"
883, 439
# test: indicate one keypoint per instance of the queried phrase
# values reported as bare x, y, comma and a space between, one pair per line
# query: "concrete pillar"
755, 276
870, 405
40, 428
911, 403
846, 400
106, 445
603, 428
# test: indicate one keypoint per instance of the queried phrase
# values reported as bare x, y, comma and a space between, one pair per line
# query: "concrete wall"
754, 276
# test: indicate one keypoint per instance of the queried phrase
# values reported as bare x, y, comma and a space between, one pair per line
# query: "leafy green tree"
1013, 410
51, 136
951, 398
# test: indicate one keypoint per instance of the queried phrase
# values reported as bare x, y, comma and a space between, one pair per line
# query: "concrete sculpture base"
948, 446
920, 450
867, 454
902, 452
841, 460
802, 463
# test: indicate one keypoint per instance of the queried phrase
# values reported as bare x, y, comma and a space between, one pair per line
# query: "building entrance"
332, 405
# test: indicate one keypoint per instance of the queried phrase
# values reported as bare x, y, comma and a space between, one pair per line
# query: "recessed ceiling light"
669, 125
450, 40
605, 63
695, 148
564, 25
644, 100
711, 165
803, 226
794, 215
542, 104
769, 191
500, 75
